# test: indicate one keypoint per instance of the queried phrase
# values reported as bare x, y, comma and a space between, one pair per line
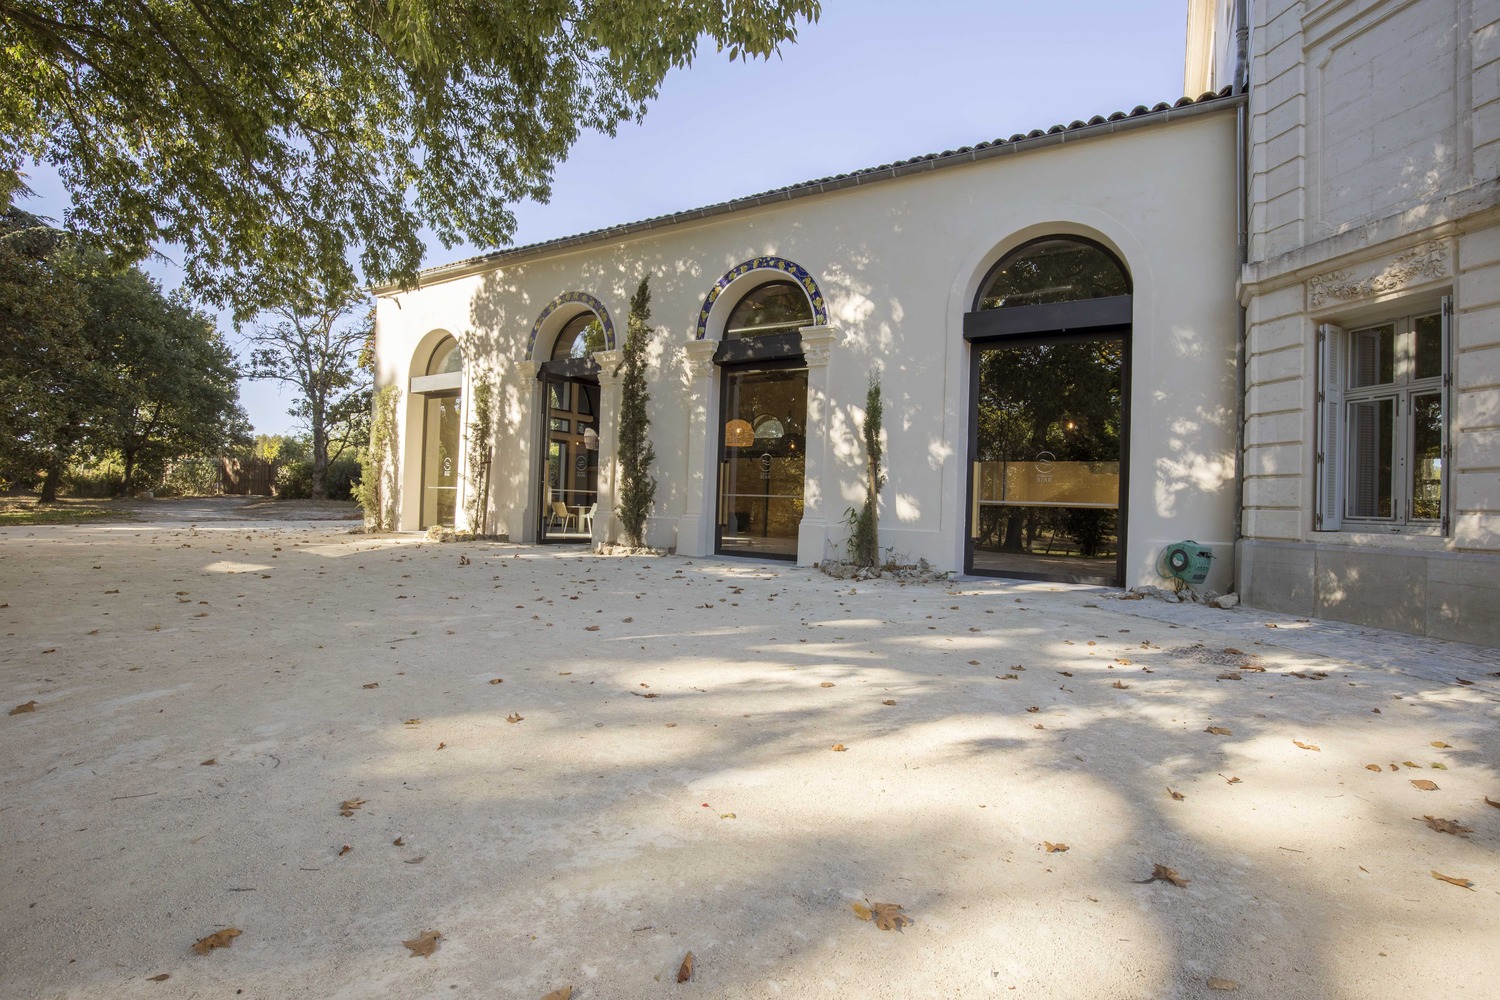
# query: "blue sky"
873, 81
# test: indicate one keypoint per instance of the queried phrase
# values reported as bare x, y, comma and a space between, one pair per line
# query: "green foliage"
864, 538
378, 464
637, 486
294, 479
481, 452
314, 347
271, 139
95, 361
191, 477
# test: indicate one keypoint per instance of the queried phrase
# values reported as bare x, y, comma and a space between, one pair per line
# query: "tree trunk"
319, 462
128, 458
50, 477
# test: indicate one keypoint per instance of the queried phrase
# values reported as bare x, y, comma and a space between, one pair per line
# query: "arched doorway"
1048, 414
569, 472
763, 422
440, 387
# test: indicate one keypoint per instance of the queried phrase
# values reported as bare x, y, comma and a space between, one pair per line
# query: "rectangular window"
1383, 425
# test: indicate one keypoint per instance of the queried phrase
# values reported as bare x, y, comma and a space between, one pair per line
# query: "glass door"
1046, 476
440, 460
762, 463
570, 480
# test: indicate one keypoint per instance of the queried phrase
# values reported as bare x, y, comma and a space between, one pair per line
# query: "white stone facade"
1373, 195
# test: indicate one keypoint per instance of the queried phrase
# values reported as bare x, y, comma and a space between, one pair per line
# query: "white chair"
561, 516
586, 518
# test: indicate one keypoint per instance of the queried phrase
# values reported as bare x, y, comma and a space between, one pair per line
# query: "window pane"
1373, 354
1370, 458
1055, 271
777, 307
582, 336
447, 358
1429, 346
1427, 457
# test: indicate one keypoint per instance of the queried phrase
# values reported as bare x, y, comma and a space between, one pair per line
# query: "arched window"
1053, 270
773, 308
446, 357
580, 338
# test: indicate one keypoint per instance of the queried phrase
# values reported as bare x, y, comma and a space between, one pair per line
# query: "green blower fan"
1186, 561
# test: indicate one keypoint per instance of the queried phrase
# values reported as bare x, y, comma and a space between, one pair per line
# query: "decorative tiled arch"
790, 269
581, 298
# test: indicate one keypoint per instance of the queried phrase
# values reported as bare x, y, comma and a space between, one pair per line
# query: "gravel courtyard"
576, 769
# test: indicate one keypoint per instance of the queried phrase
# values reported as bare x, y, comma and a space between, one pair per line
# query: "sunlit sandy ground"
607, 833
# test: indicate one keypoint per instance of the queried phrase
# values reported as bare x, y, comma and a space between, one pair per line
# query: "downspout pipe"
1242, 227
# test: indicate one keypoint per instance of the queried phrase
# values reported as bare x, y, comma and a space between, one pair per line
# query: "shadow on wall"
1191, 472
871, 321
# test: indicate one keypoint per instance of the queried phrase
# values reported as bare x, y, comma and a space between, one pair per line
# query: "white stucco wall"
899, 263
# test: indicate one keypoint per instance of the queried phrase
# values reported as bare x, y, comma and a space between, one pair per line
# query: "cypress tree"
637, 487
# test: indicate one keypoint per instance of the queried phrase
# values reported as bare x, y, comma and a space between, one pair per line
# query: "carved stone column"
520, 506
695, 529
819, 482
606, 528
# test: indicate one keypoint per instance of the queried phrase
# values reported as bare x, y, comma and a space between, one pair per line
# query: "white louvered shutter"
1328, 507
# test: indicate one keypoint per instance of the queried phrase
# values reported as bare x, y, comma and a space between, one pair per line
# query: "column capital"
609, 365
818, 343
527, 370
700, 357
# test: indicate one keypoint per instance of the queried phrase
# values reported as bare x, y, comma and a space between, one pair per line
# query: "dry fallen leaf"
826, 684
889, 701
1218, 731
1223, 984
888, 916
497, 680
159, 979
347, 807
1374, 767
1054, 848
416, 860
1011, 677
514, 717
1414, 764
208, 763
1446, 826
1491, 802
423, 944
372, 684
1034, 708
566, 993
591, 628
30, 706
399, 842
1441, 745
345, 850
218, 939
1161, 873
1462, 883
1232, 781
1305, 746
1425, 785
838, 748
685, 970
1178, 796
1234, 652
862, 911
1120, 684
412, 722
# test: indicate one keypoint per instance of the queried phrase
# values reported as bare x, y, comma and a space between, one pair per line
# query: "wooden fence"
246, 476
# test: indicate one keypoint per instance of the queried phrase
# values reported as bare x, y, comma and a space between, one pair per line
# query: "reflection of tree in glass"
1055, 271
1062, 399
777, 307
583, 335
